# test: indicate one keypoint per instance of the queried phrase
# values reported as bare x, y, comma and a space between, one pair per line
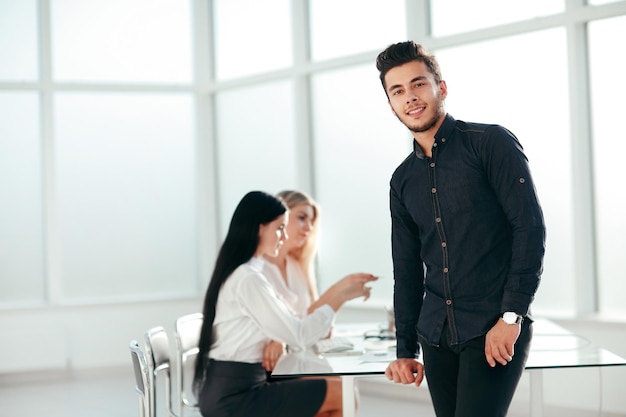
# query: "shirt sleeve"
276, 320
509, 175
408, 273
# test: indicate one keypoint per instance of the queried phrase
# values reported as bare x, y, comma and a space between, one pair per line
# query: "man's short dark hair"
403, 52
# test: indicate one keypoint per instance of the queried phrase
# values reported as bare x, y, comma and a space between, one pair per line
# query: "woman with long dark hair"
242, 314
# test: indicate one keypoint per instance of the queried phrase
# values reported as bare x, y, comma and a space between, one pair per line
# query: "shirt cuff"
327, 310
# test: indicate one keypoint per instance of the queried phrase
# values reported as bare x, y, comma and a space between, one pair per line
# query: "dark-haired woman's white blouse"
249, 314
293, 288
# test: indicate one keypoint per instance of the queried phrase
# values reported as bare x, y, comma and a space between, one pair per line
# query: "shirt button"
445, 269
433, 190
449, 302
522, 180
435, 145
443, 244
438, 219
443, 139
432, 164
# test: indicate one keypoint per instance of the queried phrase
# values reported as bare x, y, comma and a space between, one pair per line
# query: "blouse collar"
256, 263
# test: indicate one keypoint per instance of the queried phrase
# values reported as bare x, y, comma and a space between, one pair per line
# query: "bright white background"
129, 130
105, 150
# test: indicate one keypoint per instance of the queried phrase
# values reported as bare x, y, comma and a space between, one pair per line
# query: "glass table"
552, 347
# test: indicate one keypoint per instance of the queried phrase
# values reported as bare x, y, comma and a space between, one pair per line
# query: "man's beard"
425, 127
429, 123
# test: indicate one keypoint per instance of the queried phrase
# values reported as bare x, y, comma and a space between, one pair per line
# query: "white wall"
81, 337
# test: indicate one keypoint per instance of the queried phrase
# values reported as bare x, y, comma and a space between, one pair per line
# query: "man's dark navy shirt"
467, 235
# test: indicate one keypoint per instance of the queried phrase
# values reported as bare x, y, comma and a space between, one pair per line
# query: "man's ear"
443, 88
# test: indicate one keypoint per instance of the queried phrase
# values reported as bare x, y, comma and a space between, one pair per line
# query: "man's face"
414, 96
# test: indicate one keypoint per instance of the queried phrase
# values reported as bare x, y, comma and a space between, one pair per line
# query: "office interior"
130, 129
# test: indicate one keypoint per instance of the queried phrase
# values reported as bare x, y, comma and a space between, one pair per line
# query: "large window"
127, 222
129, 131
98, 182
607, 92
141, 41
18, 20
257, 150
372, 24
251, 36
354, 159
457, 16
21, 210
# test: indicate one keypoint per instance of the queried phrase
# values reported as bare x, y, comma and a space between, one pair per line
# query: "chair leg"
142, 407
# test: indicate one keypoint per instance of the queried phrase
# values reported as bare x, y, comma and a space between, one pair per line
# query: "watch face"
510, 318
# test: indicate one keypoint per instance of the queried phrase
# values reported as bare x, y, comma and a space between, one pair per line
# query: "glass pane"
608, 88
334, 35
357, 148
125, 188
18, 20
140, 41
251, 36
499, 12
258, 153
499, 91
21, 210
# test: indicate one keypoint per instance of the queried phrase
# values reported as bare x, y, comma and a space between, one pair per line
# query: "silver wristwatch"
512, 318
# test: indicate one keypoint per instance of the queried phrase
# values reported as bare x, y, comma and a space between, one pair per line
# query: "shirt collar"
445, 130
441, 136
256, 263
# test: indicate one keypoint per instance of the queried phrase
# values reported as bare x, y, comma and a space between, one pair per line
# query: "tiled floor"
110, 393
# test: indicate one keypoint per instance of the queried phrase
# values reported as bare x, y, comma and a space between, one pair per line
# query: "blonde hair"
305, 254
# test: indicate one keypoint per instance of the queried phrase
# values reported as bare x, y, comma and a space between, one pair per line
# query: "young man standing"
467, 243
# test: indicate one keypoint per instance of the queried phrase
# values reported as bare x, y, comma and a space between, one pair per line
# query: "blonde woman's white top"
249, 314
294, 291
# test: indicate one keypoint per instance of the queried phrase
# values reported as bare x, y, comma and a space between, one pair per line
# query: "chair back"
187, 330
158, 358
142, 380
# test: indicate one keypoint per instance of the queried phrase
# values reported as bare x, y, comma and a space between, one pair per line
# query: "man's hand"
500, 342
405, 371
272, 352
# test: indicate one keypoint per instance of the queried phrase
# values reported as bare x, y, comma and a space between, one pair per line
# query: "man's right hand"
405, 371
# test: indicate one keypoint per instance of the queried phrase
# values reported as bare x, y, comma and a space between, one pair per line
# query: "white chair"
158, 359
142, 380
187, 332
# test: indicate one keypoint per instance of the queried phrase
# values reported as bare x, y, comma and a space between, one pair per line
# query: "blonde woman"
292, 272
